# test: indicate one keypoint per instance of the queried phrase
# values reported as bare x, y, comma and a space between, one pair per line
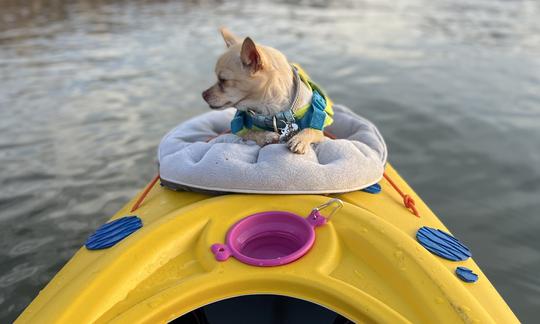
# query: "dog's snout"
206, 94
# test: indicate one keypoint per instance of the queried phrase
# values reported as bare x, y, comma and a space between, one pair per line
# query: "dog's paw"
272, 138
266, 138
298, 144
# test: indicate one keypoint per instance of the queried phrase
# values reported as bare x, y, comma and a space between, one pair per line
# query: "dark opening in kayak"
262, 309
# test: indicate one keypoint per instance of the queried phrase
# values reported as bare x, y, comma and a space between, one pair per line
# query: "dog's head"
246, 73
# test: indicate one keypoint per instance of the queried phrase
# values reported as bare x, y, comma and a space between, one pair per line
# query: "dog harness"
317, 114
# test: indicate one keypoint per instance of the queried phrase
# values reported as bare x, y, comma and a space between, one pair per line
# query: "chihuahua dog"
274, 99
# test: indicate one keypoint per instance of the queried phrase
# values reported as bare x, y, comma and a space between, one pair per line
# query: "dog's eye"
221, 83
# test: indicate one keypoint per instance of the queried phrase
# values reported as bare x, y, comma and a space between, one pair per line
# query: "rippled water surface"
87, 89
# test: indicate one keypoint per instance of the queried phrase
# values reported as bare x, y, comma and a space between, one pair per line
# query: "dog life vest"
317, 114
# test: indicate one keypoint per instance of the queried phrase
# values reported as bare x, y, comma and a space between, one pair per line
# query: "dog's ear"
229, 38
250, 55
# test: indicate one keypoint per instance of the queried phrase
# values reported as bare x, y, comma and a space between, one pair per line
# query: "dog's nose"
205, 95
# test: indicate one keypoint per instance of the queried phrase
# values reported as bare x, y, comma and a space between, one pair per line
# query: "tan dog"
259, 79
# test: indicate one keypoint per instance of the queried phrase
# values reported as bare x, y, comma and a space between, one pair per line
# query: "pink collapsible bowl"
270, 238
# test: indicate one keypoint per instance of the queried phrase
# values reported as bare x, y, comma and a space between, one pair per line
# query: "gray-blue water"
87, 89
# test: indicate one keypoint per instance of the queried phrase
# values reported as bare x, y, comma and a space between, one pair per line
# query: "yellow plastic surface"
365, 264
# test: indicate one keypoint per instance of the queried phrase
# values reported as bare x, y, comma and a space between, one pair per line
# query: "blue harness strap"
316, 114
314, 117
239, 121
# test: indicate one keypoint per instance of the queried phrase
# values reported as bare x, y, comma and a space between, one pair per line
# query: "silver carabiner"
336, 201
274, 123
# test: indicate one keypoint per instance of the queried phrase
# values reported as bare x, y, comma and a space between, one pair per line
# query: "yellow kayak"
365, 264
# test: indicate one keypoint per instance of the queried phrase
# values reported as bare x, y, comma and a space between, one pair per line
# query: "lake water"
88, 88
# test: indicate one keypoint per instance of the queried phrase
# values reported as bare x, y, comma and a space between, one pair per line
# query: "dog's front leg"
262, 138
301, 141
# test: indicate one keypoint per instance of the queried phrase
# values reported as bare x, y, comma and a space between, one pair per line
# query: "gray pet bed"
228, 164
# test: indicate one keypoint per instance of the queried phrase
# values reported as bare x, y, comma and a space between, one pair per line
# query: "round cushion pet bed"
188, 160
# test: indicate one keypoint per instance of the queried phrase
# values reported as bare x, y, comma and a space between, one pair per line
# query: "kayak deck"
365, 264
